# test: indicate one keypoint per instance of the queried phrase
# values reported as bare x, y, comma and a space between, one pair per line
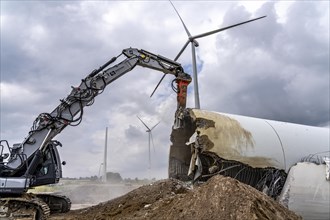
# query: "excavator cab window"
3, 155
47, 162
47, 171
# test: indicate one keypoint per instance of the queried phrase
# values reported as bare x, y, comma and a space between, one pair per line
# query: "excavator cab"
49, 170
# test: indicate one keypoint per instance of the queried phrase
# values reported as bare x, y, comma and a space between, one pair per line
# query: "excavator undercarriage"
33, 206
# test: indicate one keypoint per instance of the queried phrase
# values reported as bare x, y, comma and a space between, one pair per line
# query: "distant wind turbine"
149, 138
194, 43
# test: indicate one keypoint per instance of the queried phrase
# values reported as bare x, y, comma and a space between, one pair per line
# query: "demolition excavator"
36, 161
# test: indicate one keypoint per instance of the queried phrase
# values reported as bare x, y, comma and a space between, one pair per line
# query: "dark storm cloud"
51, 32
277, 70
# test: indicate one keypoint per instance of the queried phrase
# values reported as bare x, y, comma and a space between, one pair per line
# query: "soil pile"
219, 198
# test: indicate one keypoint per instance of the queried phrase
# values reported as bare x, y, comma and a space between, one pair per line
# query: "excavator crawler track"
24, 208
56, 203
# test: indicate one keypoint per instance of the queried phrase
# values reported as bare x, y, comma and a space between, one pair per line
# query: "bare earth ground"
218, 198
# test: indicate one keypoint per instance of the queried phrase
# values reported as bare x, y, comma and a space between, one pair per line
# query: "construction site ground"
219, 198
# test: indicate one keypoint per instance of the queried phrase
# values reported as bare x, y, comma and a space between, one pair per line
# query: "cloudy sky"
275, 68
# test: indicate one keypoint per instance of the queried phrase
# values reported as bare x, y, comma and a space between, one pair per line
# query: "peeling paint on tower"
255, 151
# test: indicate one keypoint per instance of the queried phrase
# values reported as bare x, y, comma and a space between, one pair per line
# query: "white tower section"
104, 176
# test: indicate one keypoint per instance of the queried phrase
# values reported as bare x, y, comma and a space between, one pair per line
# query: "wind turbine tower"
150, 139
194, 43
104, 176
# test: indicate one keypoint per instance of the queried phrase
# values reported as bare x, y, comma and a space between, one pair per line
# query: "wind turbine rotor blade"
225, 28
175, 59
158, 85
187, 31
154, 126
181, 51
143, 123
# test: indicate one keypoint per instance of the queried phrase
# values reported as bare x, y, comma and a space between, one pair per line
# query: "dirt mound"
218, 198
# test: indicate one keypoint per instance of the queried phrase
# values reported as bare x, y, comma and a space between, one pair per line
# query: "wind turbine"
194, 43
149, 138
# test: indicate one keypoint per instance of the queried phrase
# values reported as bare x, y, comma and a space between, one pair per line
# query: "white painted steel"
306, 191
105, 157
284, 144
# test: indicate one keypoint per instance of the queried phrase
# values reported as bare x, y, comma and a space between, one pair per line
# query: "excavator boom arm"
70, 110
